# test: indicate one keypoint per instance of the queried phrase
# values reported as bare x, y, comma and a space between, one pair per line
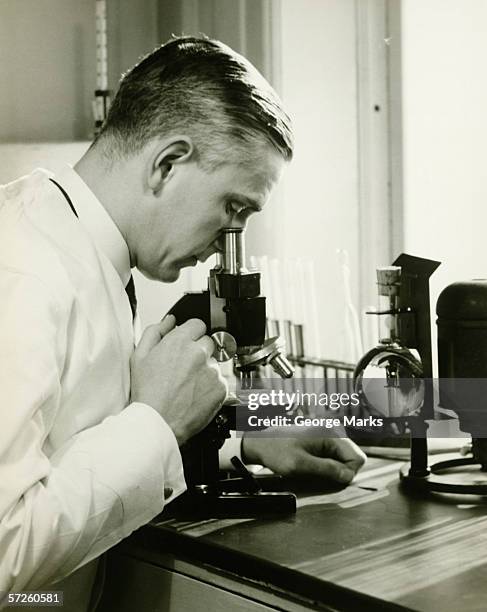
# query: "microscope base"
430, 484
198, 504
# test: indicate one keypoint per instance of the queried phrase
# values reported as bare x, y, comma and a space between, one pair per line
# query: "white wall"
318, 212
445, 136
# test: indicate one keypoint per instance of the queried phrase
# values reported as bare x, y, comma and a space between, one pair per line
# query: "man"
194, 142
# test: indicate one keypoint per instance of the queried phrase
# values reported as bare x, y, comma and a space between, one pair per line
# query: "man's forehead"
254, 181
262, 168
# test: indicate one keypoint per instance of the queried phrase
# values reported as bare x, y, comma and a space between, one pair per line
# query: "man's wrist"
250, 454
178, 432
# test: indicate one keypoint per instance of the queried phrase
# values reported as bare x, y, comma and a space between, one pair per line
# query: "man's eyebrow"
245, 201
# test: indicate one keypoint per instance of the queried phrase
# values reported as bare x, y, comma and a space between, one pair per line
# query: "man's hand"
336, 459
173, 371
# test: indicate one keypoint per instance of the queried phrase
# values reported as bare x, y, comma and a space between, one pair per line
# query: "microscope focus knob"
225, 346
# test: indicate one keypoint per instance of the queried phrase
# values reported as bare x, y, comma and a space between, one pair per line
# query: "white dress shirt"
80, 467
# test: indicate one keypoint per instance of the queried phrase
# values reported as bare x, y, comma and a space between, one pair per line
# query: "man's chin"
170, 274
163, 276
170, 278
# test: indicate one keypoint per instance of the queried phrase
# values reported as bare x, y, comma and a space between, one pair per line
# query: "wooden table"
370, 546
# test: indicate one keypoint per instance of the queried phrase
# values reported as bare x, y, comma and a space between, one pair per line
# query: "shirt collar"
96, 220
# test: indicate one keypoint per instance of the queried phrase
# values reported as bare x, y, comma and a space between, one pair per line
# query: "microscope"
394, 379
234, 313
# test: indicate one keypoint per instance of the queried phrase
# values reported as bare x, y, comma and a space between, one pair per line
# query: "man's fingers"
207, 345
192, 329
154, 333
348, 453
328, 469
167, 324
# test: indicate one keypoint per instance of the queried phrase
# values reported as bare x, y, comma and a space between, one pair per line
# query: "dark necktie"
130, 288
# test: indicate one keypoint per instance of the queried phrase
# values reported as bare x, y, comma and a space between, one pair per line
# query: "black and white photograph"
243, 305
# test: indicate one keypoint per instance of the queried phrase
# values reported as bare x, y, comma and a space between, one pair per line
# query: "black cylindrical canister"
462, 353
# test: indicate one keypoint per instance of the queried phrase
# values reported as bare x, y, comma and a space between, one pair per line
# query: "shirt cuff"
173, 474
152, 473
231, 448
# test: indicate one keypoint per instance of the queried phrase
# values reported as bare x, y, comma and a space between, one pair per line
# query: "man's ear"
171, 152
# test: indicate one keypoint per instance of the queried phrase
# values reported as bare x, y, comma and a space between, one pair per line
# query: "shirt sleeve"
60, 511
231, 448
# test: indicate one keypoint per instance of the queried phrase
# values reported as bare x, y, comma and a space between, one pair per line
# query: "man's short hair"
203, 89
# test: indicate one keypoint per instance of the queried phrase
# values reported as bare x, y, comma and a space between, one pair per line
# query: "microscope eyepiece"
234, 251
